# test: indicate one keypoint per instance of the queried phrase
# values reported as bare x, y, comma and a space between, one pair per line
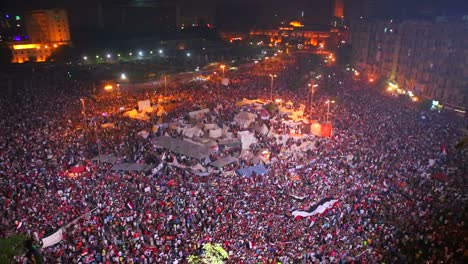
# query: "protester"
378, 165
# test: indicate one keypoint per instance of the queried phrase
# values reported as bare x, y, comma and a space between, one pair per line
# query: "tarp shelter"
216, 133
230, 142
244, 118
210, 126
77, 169
246, 101
223, 162
144, 134
131, 167
247, 138
143, 105
193, 132
247, 172
106, 159
108, 125
199, 114
321, 130
183, 147
225, 81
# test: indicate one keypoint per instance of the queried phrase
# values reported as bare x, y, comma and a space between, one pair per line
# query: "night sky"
245, 13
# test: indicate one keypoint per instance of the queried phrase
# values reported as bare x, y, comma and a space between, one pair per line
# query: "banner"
53, 239
317, 209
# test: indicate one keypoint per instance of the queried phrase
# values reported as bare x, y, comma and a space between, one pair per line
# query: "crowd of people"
379, 164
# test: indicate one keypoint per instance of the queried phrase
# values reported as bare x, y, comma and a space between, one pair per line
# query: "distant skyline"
243, 14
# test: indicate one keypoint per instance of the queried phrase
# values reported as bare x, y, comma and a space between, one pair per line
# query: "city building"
426, 58
46, 31
12, 27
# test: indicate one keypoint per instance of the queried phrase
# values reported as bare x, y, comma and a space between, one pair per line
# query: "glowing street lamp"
188, 54
272, 76
140, 53
328, 102
85, 58
222, 68
108, 87
123, 77
160, 51
108, 56
83, 111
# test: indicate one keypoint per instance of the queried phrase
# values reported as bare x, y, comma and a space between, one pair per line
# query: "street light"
160, 51
85, 58
222, 67
123, 76
140, 53
188, 54
271, 86
328, 102
312, 92
108, 56
83, 111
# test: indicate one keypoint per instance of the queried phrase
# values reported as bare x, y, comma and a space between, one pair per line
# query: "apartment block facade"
428, 58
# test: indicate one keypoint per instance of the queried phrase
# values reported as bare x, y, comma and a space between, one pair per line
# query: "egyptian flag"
18, 224
251, 245
317, 209
130, 205
443, 149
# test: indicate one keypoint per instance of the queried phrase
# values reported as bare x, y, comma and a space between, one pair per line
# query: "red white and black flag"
318, 208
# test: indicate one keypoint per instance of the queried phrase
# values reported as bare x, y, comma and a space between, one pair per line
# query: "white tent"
244, 119
199, 114
193, 132
225, 81
144, 134
210, 126
143, 105
263, 130
216, 133
247, 138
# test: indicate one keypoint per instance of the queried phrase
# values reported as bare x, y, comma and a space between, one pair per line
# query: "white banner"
53, 239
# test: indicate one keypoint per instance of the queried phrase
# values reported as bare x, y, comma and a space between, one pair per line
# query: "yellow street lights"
328, 102
272, 76
222, 68
83, 111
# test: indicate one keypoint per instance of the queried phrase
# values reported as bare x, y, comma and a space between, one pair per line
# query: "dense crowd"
376, 164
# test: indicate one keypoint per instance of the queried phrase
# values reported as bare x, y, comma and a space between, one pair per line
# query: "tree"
12, 246
212, 254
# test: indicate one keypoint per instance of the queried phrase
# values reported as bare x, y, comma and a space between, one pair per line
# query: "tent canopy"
131, 167
106, 159
223, 162
183, 147
247, 172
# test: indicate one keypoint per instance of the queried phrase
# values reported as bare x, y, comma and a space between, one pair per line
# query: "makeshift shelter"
193, 132
225, 81
216, 133
144, 105
263, 130
247, 138
230, 142
243, 119
105, 159
210, 126
198, 114
144, 134
246, 101
107, 125
248, 171
183, 147
138, 167
219, 163
321, 130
